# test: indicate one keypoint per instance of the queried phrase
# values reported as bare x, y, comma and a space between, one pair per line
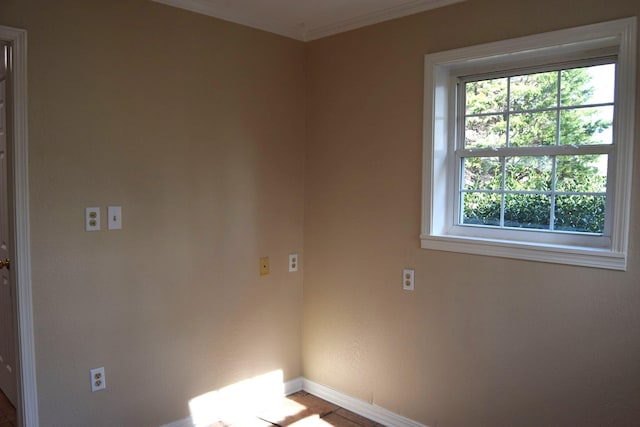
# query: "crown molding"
205, 7
300, 31
375, 17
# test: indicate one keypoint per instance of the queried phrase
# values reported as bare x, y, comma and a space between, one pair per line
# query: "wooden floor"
301, 409
7, 412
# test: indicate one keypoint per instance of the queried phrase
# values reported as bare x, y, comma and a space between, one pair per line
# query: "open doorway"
15, 258
8, 343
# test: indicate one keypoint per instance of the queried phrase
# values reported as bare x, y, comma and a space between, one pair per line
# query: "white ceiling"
307, 19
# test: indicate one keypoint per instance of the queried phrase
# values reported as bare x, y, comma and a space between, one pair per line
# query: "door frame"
26, 362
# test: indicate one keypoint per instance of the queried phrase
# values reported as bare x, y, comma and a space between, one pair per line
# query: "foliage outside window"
540, 111
528, 146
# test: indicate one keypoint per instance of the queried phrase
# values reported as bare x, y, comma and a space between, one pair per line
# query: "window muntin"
513, 170
442, 168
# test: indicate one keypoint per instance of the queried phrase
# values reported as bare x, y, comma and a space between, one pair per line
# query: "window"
534, 148
528, 146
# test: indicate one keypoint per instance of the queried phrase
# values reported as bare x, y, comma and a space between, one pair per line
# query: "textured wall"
193, 126
196, 127
481, 341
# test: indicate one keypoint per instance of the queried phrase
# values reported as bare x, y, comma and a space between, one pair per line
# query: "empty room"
414, 213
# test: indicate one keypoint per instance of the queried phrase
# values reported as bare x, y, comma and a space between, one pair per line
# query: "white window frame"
440, 230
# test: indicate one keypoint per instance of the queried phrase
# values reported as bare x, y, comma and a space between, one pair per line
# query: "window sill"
557, 254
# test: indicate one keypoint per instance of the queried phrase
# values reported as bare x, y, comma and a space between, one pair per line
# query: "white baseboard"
185, 422
360, 407
293, 386
373, 412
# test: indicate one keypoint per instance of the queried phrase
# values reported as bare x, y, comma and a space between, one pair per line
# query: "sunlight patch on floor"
311, 421
237, 403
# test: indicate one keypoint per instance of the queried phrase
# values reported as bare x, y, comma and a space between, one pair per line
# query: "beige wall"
197, 128
481, 341
193, 126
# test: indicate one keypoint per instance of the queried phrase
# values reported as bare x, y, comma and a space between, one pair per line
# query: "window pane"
485, 131
528, 173
582, 173
588, 85
533, 91
527, 210
532, 129
486, 96
481, 208
538, 109
586, 126
482, 173
580, 213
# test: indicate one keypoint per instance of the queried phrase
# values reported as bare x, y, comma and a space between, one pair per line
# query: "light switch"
115, 217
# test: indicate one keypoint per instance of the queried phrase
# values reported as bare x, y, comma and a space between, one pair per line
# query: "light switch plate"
114, 214
92, 219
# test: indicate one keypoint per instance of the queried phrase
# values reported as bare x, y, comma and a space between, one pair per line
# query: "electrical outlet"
92, 219
407, 279
97, 379
293, 262
264, 266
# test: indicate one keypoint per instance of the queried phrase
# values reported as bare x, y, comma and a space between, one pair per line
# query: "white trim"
406, 9
360, 407
26, 348
596, 258
212, 9
625, 113
439, 230
300, 32
185, 422
293, 386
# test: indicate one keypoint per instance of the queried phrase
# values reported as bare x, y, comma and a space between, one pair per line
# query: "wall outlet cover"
98, 381
92, 219
293, 262
408, 275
